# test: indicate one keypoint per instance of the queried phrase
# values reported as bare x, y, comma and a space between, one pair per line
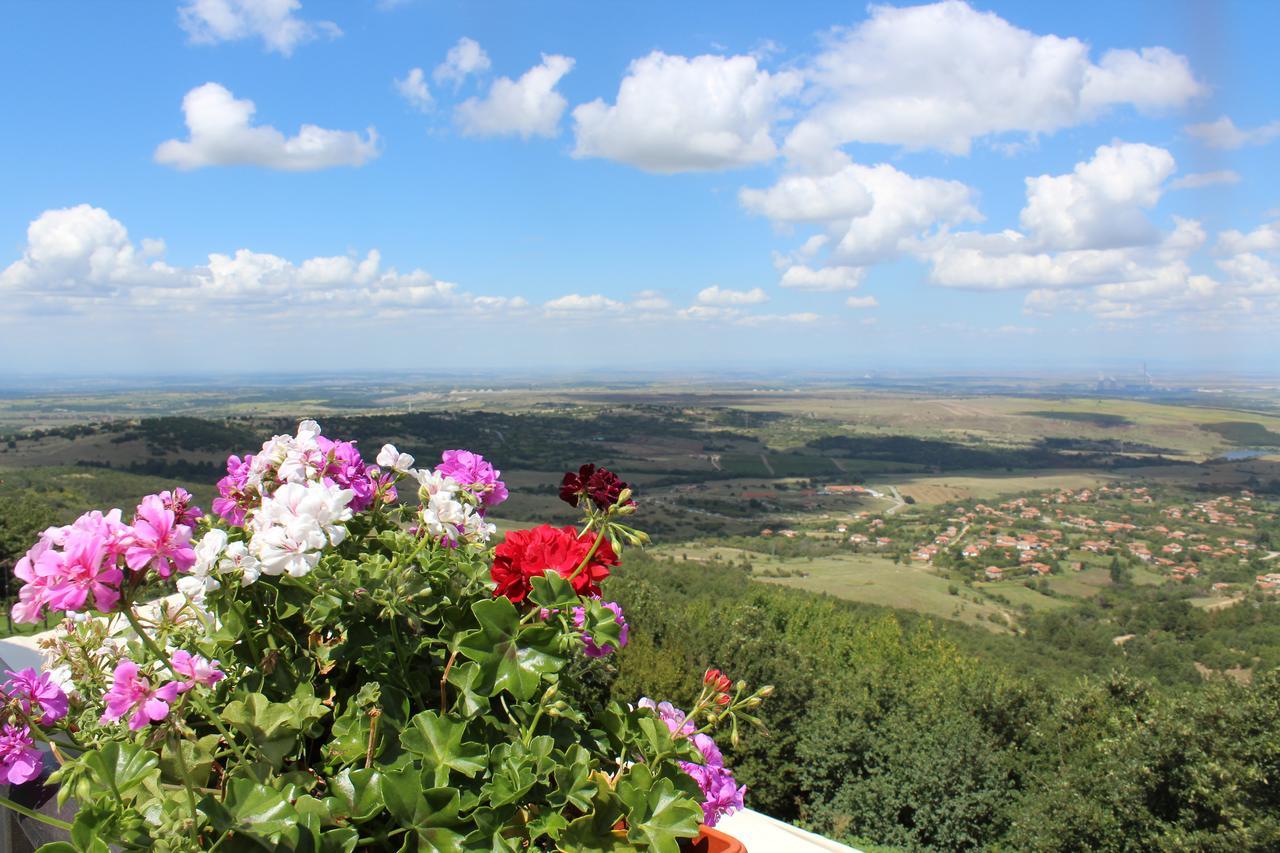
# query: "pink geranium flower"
87, 567
198, 670
133, 693
157, 540
20, 761
36, 690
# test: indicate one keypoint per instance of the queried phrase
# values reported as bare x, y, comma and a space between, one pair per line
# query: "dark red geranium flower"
527, 554
601, 485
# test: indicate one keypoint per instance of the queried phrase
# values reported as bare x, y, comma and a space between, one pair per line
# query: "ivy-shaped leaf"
657, 814
438, 741
511, 657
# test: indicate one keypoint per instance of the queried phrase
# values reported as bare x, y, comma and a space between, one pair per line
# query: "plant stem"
444, 680
595, 546
34, 815
186, 784
195, 697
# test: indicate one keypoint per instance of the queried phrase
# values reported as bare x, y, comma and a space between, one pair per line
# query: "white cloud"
1265, 238
530, 106
862, 302
80, 256
577, 303
80, 261
804, 277
79, 252
1223, 133
680, 114
464, 58
1100, 204
274, 21
221, 135
1199, 180
716, 295
413, 88
941, 75
902, 209
813, 198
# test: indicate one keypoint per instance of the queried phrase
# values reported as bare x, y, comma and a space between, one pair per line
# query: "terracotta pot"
714, 841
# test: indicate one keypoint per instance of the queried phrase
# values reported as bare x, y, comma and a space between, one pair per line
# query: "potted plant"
347, 664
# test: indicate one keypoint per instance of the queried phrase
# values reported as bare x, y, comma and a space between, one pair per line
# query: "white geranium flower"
237, 560
390, 459
209, 549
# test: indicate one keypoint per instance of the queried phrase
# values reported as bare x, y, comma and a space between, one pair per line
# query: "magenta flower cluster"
721, 794
591, 649
309, 457
83, 562
38, 698
476, 476
134, 695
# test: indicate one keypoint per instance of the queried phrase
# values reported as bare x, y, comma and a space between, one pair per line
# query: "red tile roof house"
994, 573
1040, 569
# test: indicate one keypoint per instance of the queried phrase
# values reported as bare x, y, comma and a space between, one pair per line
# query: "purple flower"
475, 475
133, 693
669, 714
234, 497
179, 503
157, 541
344, 468
198, 670
34, 690
20, 761
591, 649
721, 794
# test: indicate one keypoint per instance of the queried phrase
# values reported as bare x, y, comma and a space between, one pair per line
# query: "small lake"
1237, 455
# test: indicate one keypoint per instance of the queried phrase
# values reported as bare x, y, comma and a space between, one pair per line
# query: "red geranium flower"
526, 554
601, 485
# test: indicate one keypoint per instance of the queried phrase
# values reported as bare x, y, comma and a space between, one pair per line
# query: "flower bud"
710, 676
722, 700
765, 692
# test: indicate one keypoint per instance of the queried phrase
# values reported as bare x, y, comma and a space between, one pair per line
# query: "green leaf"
121, 767
657, 814
274, 727
552, 591
254, 812
438, 741
601, 625
510, 657
594, 832
358, 792
572, 775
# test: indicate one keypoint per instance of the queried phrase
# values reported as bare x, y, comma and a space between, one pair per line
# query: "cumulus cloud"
413, 88
716, 295
1223, 133
862, 302
804, 277
941, 75
1199, 180
1265, 238
463, 59
527, 107
81, 256
80, 261
681, 114
273, 21
220, 134
901, 208
1100, 204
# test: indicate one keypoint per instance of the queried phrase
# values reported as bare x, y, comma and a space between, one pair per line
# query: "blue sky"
997, 185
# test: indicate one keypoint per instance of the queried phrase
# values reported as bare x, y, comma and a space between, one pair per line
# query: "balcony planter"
348, 654
714, 841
